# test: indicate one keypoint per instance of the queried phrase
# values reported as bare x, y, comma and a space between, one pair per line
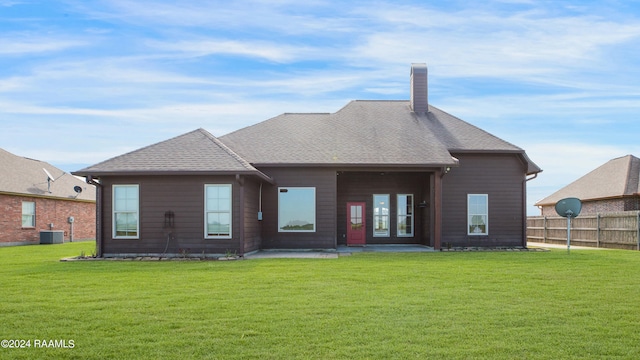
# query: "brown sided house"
612, 187
374, 172
36, 196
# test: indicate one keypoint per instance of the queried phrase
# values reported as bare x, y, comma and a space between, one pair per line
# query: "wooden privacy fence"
619, 230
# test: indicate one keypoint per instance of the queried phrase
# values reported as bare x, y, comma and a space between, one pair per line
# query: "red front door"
356, 229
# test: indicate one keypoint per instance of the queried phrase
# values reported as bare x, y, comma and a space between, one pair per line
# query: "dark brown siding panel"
184, 195
360, 187
499, 176
324, 180
252, 226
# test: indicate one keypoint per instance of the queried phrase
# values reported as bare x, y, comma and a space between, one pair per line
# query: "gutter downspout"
437, 187
524, 208
99, 195
240, 181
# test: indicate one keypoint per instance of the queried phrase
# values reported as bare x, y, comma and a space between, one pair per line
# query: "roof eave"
99, 174
453, 163
613, 197
52, 197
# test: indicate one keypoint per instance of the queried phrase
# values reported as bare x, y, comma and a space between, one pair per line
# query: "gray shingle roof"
616, 178
365, 133
24, 176
196, 152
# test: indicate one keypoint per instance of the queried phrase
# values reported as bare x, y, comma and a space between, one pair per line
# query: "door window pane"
356, 217
381, 215
405, 215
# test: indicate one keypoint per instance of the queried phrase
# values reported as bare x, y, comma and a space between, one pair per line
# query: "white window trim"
486, 233
113, 212
373, 218
33, 216
412, 216
206, 232
315, 212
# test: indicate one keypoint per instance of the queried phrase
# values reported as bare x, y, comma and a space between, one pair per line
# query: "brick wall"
632, 203
47, 211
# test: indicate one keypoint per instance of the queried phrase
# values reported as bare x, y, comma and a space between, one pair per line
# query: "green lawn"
509, 305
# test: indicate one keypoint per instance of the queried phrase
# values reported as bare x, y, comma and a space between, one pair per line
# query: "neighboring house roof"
385, 133
196, 152
24, 176
616, 178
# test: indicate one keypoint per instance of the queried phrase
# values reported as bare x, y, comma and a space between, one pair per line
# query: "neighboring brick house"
30, 202
612, 187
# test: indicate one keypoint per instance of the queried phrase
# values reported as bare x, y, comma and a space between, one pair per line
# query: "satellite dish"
49, 176
77, 189
569, 207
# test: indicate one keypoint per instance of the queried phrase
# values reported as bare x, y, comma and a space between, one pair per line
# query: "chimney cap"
418, 67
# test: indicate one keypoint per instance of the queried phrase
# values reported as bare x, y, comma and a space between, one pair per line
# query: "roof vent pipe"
419, 91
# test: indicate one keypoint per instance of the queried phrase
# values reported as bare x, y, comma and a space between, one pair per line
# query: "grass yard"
499, 305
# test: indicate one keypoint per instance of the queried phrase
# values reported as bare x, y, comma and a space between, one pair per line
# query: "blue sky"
81, 82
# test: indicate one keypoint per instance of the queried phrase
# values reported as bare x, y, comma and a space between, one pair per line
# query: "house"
613, 186
37, 196
374, 172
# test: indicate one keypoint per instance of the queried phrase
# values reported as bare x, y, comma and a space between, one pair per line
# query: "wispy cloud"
8, 3
246, 17
269, 51
22, 44
530, 46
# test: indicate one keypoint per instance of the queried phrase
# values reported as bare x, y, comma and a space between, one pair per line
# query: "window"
297, 209
478, 214
125, 211
28, 214
381, 215
405, 215
218, 211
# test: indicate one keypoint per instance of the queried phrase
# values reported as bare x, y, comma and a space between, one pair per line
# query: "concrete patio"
342, 250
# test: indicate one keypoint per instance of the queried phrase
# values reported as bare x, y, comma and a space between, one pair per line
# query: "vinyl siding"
501, 177
184, 195
252, 226
324, 181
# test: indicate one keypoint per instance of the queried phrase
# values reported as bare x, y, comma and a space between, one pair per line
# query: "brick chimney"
419, 98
